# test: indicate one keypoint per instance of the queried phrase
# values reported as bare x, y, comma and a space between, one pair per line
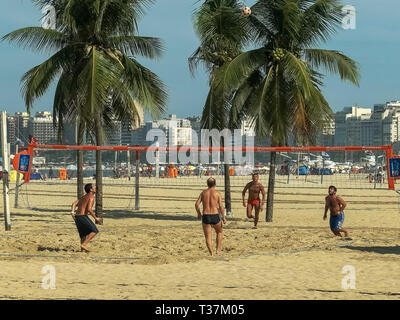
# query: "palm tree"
278, 83
221, 29
99, 79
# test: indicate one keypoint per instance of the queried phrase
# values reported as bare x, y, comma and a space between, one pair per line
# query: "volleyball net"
308, 167
135, 173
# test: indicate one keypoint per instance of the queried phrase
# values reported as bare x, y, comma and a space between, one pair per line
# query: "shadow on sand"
116, 214
381, 250
51, 249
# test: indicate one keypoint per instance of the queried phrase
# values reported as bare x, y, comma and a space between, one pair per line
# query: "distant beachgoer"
336, 205
379, 175
212, 205
254, 201
51, 173
86, 228
150, 170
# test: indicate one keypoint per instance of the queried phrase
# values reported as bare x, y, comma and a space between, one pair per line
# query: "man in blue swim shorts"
336, 205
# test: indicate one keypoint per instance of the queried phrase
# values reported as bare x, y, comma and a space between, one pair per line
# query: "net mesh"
356, 169
295, 173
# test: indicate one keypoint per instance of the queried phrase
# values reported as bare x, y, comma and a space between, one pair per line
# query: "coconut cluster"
224, 55
278, 54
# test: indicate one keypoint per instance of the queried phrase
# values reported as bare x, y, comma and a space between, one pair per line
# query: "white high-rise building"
177, 131
363, 126
247, 129
43, 129
22, 126
348, 125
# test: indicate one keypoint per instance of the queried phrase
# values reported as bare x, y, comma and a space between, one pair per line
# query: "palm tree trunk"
99, 170
227, 189
79, 161
271, 187
227, 182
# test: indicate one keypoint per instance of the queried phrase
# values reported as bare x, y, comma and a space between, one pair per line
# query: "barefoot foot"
85, 249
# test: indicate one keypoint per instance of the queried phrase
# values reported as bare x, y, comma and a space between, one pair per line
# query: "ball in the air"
246, 11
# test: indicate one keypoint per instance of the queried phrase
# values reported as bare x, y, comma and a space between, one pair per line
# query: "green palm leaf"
146, 87
37, 39
299, 71
147, 47
233, 73
334, 62
36, 81
95, 79
320, 20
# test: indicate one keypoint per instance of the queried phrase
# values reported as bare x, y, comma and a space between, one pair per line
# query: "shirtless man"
212, 203
254, 188
86, 228
336, 206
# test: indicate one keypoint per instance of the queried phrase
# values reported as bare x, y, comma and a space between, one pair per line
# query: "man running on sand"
336, 206
86, 228
254, 188
210, 217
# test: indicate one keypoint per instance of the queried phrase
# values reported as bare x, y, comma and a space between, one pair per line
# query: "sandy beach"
159, 252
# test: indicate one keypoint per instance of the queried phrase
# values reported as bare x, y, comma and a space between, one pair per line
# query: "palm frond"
233, 73
146, 87
97, 76
299, 72
335, 63
36, 81
37, 39
320, 21
148, 47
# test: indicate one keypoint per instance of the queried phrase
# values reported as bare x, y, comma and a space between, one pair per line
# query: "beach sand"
159, 252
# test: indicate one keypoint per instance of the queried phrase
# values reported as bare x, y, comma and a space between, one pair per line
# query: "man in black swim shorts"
86, 228
212, 208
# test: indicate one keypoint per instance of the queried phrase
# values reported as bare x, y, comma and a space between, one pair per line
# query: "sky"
374, 44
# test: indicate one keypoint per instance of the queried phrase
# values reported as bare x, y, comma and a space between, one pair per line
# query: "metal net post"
137, 206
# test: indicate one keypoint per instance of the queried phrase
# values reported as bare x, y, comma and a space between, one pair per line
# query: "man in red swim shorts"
254, 201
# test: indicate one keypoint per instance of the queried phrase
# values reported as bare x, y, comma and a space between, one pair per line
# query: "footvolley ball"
246, 11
